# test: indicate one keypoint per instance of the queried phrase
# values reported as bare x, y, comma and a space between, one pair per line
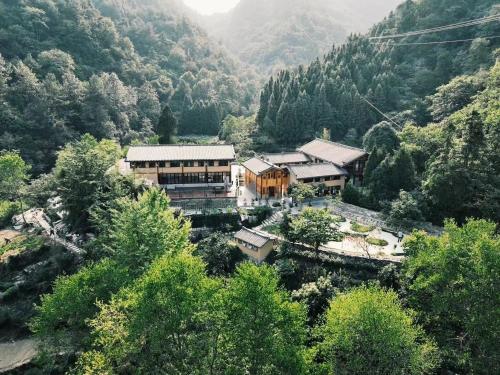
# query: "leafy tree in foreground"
264, 331
452, 281
163, 324
368, 332
219, 254
140, 232
314, 227
178, 320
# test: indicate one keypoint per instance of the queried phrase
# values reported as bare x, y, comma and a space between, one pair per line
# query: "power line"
441, 28
438, 42
398, 126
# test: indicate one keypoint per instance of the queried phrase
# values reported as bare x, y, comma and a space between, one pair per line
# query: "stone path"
16, 354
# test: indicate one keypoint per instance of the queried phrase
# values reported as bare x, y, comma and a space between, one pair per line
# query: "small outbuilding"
256, 245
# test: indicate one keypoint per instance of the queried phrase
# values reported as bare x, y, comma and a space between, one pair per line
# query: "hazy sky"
211, 6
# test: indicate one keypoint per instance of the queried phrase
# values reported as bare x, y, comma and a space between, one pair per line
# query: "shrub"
377, 241
7, 211
361, 228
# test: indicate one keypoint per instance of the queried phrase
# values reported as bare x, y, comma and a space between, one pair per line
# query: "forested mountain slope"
67, 69
330, 93
275, 34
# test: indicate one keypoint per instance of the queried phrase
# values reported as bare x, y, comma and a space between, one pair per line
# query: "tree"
264, 331
13, 177
80, 172
381, 136
167, 126
314, 227
404, 210
167, 323
300, 192
452, 282
367, 331
219, 254
395, 173
139, 233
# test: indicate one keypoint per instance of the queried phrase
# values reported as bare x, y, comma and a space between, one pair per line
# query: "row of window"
247, 245
177, 164
192, 178
320, 179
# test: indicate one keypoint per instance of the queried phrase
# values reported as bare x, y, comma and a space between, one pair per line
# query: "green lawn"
356, 227
377, 241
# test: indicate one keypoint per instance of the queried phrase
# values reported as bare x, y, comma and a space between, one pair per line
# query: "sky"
211, 6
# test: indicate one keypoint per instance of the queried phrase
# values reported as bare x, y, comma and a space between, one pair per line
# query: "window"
189, 163
307, 180
141, 164
328, 178
223, 163
317, 179
175, 164
336, 178
161, 164
211, 163
215, 178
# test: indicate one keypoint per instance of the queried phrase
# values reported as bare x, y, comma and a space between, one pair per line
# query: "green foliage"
381, 136
314, 227
61, 315
7, 211
361, 228
368, 331
377, 241
393, 78
220, 255
167, 126
301, 192
55, 83
351, 194
315, 296
238, 131
404, 210
143, 230
265, 331
395, 173
13, 175
247, 326
139, 233
452, 281
81, 171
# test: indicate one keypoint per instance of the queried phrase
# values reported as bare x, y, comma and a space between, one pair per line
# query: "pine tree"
167, 126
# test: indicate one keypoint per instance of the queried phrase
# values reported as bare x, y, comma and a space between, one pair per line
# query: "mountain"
107, 67
274, 34
335, 92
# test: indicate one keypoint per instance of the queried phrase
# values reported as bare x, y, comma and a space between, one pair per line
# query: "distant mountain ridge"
274, 34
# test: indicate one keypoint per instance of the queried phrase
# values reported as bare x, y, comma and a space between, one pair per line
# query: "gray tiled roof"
258, 166
332, 152
181, 152
316, 170
252, 237
287, 158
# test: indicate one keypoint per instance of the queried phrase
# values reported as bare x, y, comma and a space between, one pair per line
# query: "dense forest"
108, 68
428, 99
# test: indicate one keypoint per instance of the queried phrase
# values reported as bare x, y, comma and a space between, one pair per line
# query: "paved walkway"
16, 354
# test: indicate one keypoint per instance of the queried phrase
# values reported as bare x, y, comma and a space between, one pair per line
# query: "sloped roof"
286, 158
316, 170
252, 237
258, 166
332, 152
180, 153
